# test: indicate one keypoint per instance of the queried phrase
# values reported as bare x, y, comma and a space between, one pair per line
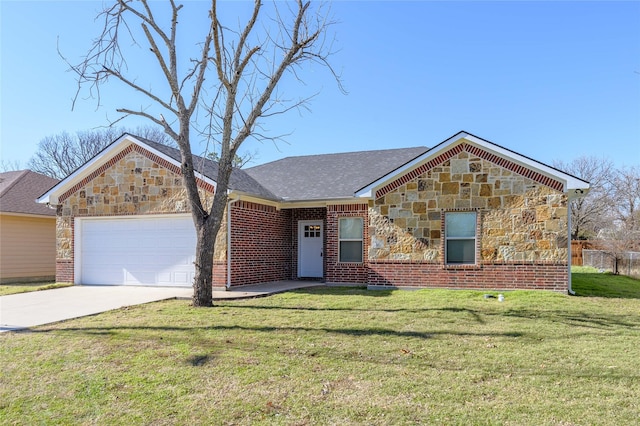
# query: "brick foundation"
539, 276
64, 271
219, 278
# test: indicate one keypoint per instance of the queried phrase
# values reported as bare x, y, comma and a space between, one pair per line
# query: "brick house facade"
464, 214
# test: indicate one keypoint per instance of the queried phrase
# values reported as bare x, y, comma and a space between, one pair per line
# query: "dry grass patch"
333, 356
6, 289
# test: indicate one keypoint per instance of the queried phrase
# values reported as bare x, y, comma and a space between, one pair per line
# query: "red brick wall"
337, 272
522, 276
260, 243
219, 278
64, 270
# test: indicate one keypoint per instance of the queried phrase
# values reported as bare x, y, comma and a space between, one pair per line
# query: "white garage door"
158, 251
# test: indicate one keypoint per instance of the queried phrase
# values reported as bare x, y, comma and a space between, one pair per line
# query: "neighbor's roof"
20, 189
328, 176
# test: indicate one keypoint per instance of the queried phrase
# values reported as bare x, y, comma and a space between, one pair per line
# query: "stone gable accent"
133, 182
480, 154
521, 218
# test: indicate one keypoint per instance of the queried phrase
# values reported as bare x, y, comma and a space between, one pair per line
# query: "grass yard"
336, 356
6, 289
588, 281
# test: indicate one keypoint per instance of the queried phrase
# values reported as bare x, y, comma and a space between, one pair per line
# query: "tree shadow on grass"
576, 319
356, 332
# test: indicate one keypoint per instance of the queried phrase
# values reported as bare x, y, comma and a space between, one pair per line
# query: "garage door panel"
184, 278
138, 251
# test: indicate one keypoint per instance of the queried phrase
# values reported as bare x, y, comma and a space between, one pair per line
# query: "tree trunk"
207, 227
202, 283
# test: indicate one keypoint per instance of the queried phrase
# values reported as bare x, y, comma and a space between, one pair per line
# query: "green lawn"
25, 287
335, 356
587, 281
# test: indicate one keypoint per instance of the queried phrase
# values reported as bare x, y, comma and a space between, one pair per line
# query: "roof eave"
291, 204
33, 215
52, 196
573, 186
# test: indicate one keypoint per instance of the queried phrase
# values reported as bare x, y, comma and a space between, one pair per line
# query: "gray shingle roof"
20, 189
310, 177
239, 180
327, 176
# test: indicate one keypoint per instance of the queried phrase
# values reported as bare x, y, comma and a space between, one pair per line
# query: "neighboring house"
27, 229
466, 213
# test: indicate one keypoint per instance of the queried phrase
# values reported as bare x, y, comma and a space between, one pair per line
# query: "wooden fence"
576, 250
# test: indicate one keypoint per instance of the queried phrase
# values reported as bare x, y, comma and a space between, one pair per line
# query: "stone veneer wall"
133, 182
523, 225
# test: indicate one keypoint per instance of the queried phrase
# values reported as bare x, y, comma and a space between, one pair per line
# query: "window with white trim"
460, 237
350, 239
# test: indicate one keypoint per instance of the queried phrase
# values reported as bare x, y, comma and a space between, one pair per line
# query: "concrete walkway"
24, 310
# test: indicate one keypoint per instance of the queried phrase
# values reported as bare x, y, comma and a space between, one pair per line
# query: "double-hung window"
460, 237
350, 239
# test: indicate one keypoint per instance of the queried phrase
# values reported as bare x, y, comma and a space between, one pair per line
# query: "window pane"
351, 251
460, 224
461, 251
351, 228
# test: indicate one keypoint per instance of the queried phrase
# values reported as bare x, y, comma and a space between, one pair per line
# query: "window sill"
463, 266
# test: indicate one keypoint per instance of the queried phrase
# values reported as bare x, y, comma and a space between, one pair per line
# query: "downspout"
569, 289
229, 203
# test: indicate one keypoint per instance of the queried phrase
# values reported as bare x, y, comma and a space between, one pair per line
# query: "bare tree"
60, 155
231, 79
239, 161
590, 214
9, 165
625, 188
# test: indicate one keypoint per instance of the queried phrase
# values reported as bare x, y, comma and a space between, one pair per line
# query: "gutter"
229, 203
569, 289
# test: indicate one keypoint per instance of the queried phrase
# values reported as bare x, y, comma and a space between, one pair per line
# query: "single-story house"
466, 213
27, 228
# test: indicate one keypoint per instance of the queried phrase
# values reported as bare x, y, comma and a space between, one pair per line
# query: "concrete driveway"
24, 310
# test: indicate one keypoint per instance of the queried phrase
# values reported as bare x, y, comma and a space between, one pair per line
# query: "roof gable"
20, 189
325, 176
166, 156
484, 149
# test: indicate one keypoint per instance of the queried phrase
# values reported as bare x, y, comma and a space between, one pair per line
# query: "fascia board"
52, 195
290, 204
31, 215
118, 145
369, 190
170, 160
572, 184
244, 196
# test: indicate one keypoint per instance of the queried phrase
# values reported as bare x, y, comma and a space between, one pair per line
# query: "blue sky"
549, 80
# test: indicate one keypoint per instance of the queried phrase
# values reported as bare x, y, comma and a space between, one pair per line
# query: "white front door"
310, 249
